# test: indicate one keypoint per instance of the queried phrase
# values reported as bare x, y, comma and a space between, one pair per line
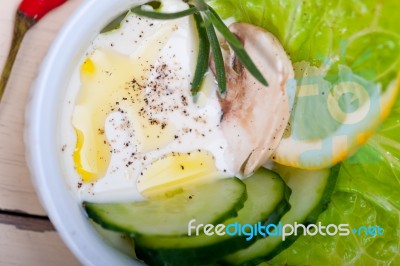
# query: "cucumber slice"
211, 203
267, 202
311, 193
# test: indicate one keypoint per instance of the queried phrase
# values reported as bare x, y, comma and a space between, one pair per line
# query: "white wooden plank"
16, 191
25, 240
22, 247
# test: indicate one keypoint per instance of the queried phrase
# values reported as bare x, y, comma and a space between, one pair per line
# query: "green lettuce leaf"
364, 36
353, 209
367, 194
355, 41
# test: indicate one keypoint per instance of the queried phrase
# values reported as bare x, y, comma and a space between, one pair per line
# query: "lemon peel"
321, 153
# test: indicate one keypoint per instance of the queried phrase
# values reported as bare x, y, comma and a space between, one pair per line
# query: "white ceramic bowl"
41, 132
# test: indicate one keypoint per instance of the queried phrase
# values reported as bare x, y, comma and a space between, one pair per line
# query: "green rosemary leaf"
199, 4
236, 45
114, 24
202, 56
218, 59
154, 4
160, 15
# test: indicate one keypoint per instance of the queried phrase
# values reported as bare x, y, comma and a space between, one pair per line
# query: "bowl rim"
42, 153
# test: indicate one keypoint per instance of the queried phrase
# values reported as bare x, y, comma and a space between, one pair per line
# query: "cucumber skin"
312, 218
192, 256
208, 254
211, 253
94, 215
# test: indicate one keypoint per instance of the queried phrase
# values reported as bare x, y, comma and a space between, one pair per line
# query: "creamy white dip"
157, 120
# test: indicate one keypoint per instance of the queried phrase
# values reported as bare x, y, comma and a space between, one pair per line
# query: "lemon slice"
301, 146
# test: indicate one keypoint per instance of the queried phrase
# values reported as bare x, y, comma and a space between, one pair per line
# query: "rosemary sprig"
202, 56
207, 20
114, 24
165, 16
218, 59
236, 45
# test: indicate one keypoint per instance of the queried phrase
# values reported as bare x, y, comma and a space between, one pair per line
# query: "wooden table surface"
27, 237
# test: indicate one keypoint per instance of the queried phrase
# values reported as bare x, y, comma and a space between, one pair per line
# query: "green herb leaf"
202, 56
165, 16
218, 59
114, 24
236, 45
201, 5
206, 18
154, 4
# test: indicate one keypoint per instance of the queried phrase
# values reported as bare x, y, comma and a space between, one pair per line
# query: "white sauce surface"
196, 125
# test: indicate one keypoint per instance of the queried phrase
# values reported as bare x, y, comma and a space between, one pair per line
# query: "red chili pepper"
28, 13
36, 9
